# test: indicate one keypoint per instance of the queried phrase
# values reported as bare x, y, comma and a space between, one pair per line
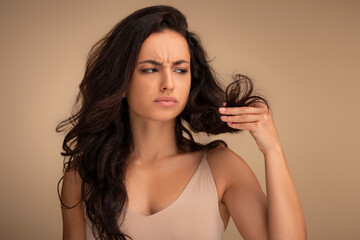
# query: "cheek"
187, 86
136, 94
185, 91
138, 87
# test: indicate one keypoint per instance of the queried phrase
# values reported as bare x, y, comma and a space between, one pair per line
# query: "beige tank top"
193, 215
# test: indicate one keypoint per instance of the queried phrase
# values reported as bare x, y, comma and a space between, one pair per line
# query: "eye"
149, 70
181, 70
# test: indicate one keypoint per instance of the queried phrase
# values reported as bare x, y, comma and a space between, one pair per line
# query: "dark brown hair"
98, 139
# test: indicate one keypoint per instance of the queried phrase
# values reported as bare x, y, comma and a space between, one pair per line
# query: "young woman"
134, 170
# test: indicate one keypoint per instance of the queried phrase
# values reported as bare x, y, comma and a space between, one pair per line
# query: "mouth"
166, 103
166, 99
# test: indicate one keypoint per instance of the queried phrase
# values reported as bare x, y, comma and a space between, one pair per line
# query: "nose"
167, 82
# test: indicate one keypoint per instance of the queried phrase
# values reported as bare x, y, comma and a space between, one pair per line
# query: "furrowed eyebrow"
159, 64
180, 62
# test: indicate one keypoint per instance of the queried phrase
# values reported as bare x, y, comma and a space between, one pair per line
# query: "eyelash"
183, 71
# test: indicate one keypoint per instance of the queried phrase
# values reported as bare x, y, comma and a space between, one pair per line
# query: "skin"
284, 217
149, 121
276, 215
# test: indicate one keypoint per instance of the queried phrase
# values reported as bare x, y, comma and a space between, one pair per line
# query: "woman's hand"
258, 120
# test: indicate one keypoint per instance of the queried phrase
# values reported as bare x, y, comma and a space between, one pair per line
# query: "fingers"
241, 118
242, 126
245, 118
242, 110
258, 104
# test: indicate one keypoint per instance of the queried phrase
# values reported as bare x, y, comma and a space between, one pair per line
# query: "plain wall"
304, 56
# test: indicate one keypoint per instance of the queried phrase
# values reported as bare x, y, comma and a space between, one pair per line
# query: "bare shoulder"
242, 194
230, 168
71, 187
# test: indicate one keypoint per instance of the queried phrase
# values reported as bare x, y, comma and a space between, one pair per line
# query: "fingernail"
222, 109
224, 117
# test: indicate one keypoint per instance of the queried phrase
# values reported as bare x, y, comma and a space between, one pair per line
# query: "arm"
74, 225
286, 218
243, 196
284, 215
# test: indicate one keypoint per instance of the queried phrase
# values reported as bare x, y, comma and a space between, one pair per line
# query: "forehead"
165, 45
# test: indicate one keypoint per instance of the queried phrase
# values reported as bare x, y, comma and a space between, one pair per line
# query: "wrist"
277, 150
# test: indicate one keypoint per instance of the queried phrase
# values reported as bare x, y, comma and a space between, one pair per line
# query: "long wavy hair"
98, 138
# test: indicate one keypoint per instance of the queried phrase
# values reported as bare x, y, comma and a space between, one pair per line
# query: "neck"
153, 140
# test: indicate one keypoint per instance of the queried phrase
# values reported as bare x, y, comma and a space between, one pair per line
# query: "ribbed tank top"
193, 215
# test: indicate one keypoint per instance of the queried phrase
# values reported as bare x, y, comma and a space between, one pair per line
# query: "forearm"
285, 215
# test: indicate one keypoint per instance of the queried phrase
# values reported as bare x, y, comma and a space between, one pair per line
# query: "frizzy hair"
98, 138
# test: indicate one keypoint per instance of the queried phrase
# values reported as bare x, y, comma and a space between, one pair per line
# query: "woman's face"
161, 70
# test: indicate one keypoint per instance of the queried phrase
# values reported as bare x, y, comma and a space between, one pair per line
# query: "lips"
165, 99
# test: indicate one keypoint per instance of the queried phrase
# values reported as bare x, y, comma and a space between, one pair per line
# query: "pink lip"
166, 101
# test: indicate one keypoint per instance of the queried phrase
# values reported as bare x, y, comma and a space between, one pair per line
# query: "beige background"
303, 55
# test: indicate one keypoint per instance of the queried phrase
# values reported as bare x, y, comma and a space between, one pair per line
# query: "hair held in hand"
98, 138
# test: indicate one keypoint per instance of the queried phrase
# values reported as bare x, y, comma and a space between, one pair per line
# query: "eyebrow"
159, 64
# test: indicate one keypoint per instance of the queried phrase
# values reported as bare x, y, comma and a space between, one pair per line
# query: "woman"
131, 173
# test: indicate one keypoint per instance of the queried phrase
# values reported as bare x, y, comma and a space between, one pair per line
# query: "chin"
164, 117
159, 114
